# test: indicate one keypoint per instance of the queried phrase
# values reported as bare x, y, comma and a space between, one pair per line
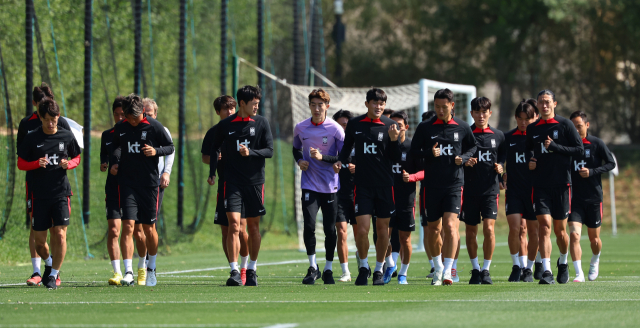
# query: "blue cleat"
402, 280
388, 273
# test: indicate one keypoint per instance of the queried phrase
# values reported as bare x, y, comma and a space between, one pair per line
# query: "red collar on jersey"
144, 120
34, 116
376, 121
585, 141
520, 133
451, 121
549, 121
242, 119
485, 130
316, 124
112, 130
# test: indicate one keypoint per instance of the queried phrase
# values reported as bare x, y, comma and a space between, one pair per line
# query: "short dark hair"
480, 103
41, 92
528, 107
547, 92
581, 114
444, 94
427, 115
376, 94
48, 106
388, 112
342, 113
224, 102
248, 93
320, 94
117, 103
401, 114
132, 105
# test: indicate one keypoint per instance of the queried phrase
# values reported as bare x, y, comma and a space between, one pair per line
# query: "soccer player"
48, 152
518, 206
27, 125
139, 140
376, 144
586, 204
446, 143
482, 189
225, 106
554, 141
314, 138
246, 142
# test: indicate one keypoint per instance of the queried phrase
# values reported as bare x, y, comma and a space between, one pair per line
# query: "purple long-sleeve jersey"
328, 138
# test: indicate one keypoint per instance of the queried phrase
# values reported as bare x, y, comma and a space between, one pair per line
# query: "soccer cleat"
515, 274
563, 272
45, 276
547, 278
579, 277
430, 275
234, 279
537, 271
142, 276
395, 273
115, 280
51, 283
58, 281
388, 274
437, 278
363, 276
312, 275
593, 271
127, 280
485, 277
252, 278
345, 277
377, 278
447, 280
475, 277
527, 275
402, 280
243, 276
151, 277
34, 280
454, 275
327, 277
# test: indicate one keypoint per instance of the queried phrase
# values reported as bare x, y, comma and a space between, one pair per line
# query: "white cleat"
593, 271
437, 278
345, 277
454, 275
579, 277
151, 277
447, 280
127, 280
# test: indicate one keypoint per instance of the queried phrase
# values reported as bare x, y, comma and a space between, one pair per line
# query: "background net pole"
11, 158
137, 18
28, 26
223, 46
182, 88
86, 163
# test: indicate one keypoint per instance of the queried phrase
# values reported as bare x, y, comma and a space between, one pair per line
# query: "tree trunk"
506, 105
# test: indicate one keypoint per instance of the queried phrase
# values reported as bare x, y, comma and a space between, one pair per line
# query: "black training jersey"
135, 169
252, 132
345, 176
207, 149
404, 192
517, 168
50, 182
482, 178
107, 156
454, 138
595, 153
373, 148
553, 165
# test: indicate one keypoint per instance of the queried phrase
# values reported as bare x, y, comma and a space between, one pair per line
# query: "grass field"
191, 293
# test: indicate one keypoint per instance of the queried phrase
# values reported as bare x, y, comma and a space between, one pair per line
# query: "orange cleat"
35, 280
58, 281
243, 276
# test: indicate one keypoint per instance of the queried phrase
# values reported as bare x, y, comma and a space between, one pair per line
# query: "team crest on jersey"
380, 136
252, 131
587, 153
306, 196
455, 136
555, 134
143, 136
325, 140
404, 157
493, 143
61, 146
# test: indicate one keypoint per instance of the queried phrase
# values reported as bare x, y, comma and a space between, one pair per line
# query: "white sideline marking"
213, 325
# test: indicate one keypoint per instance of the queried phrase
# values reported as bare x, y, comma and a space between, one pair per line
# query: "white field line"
169, 325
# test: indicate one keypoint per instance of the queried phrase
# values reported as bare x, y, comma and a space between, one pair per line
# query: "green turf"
199, 298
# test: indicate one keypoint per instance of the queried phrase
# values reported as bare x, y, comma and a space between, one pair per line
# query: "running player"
482, 189
553, 140
518, 206
48, 152
225, 106
376, 145
314, 138
586, 204
446, 143
28, 125
246, 141
139, 140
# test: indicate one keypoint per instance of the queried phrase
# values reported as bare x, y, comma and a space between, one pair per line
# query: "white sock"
455, 264
403, 269
431, 263
595, 258
54, 273
577, 265
514, 259
35, 262
244, 260
447, 264
475, 264
128, 265
328, 266
312, 260
546, 265
344, 267
523, 260
234, 266
253, 265
379, 266
486, 265
395, 255
152, 262
538, 258
563, 258
142, 262
48, 261
437, 261
116, 266
390, 262
530, 264
364, 263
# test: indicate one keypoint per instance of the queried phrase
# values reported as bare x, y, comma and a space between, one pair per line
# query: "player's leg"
405, 224
575, 232
471, 234
253, 204
310, 206
532, 250
36, 277
362, 244
454, 268
225, 230
343, 217
515, 244
233, 247
140, 241
41, 223
396, 248
113, 248
542, 205
524, 244
244, 250
329, 206
593, 229
488, 246
129, 203
450, 225
562, 240
152, 248
382, 244
59, 249
435, 247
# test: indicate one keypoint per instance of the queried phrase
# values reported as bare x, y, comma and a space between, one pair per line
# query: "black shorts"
480, 207
112, 201
346, 213
244, 199
29, 198
221, 211
436, 202
313, 201
587, 213
376, 201
49, 213
517, 204
555, 201
404, 220
139, 204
